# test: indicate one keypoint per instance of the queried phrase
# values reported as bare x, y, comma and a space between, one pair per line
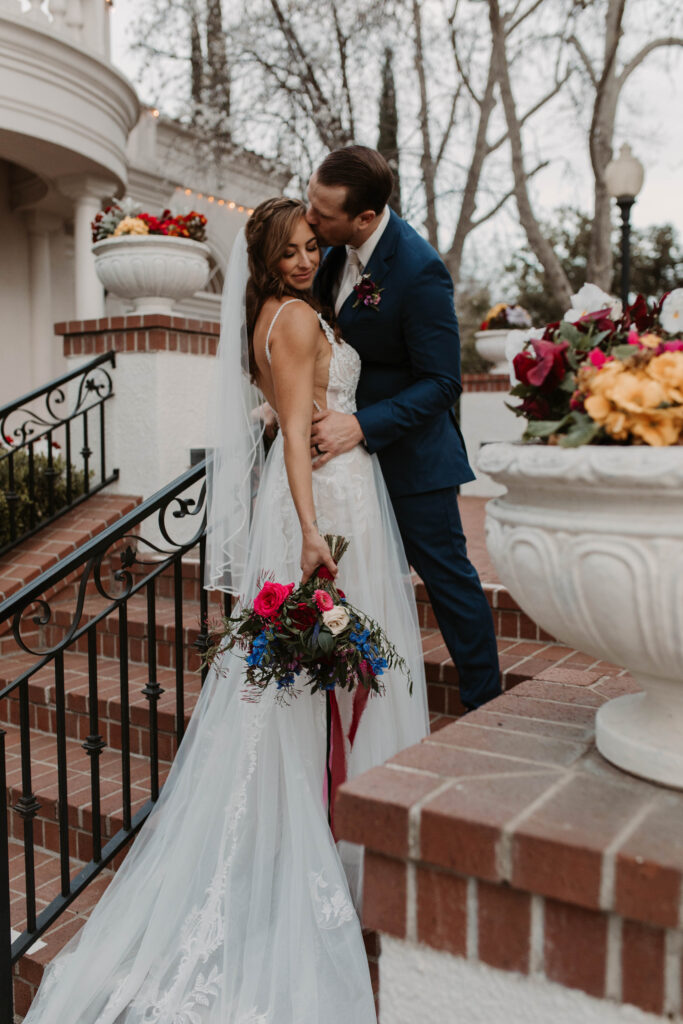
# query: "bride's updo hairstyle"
268, 232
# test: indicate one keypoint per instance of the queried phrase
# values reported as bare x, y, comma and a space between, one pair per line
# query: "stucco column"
88, 194
40, 226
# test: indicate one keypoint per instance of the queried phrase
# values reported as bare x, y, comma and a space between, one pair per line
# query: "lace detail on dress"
203, 930
332, 908
344, 372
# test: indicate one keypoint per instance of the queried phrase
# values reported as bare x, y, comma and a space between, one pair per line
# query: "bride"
235, 905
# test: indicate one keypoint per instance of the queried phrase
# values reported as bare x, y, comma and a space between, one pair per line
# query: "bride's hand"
315, 552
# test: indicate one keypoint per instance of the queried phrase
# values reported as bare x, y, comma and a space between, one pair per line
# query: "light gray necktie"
352, 273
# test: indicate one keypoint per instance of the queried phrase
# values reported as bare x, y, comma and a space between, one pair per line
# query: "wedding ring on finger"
318, 449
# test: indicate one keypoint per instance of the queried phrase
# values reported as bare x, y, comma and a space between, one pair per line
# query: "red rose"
271, 597
323, 573
303, 615
523, 362
551, 365
536, 407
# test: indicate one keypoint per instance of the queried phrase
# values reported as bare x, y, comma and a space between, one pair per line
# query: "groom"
393, 297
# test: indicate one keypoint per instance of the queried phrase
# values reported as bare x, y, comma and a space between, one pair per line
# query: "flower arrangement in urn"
604, 375
503, 316
127, 218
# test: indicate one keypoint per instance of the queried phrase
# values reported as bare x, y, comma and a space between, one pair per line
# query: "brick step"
42, 708
44, 781
40, 552
28, 972
509, 621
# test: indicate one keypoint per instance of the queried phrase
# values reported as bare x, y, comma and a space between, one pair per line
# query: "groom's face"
326, 214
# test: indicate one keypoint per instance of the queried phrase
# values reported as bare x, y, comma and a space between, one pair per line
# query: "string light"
219, 201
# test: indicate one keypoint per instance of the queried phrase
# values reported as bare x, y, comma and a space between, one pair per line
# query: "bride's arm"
293, 354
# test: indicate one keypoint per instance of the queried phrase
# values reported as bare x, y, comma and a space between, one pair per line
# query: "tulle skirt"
234, 904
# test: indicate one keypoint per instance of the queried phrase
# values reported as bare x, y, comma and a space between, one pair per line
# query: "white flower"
671, 316
515, 343
590, 299
336, 619
516, 316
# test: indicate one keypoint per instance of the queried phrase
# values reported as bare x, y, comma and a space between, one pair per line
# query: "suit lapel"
379, 264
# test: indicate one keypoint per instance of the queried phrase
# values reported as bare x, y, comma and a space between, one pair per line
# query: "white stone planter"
152, 271
491, 345
589, 541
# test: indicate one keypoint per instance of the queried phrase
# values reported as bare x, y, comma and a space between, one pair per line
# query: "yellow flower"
495, 310
635, 392
650, 340
131, 226
667, 369
660, 428
615, 422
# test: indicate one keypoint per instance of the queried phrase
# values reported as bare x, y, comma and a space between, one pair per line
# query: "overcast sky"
651, 119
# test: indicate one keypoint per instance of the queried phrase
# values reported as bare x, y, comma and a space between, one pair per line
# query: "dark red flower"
536, 407
303, 615
323, 573
551, 365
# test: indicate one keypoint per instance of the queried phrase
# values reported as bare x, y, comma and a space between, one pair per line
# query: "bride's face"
300, 259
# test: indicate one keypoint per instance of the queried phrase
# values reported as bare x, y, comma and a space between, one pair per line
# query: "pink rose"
673, 346
598, 358
271, 597
633, 337
323, 600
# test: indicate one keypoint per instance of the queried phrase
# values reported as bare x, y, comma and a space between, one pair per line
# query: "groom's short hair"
365, 175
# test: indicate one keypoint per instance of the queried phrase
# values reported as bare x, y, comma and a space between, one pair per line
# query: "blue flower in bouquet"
286, 682
359, 638
258, 649
377, 663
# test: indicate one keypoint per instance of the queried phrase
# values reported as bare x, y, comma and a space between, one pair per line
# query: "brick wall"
151, 333
506, 840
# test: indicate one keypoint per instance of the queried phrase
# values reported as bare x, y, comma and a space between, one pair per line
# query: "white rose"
336, 619
515, 343
516, 316
590, 299
671, 316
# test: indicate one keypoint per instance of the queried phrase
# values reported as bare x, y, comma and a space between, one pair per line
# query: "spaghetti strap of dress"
272, 324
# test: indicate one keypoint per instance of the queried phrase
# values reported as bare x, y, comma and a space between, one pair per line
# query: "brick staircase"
524, 652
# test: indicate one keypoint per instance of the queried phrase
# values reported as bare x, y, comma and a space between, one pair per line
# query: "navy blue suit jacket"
410, 356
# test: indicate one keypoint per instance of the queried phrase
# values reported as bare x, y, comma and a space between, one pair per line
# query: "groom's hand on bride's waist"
332, 433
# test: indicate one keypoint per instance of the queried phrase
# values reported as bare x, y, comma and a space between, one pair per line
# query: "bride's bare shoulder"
293, 323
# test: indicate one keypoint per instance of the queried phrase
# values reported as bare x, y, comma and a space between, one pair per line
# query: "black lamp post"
624, 180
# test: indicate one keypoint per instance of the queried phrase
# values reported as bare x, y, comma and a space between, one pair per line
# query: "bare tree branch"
585, 60
646, 50
541, 246
508, 195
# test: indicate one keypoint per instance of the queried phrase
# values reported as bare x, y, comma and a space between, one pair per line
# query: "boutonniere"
367, 293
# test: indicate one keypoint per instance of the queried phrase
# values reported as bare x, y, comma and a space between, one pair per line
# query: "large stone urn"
491, 345
589, 541
154, 272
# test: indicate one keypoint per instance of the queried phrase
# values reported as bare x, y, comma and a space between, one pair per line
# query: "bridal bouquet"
604, 375
310, 629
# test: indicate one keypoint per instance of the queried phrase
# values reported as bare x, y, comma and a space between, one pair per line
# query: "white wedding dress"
234, 905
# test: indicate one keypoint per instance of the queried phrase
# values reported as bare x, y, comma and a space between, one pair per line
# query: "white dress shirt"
357, 260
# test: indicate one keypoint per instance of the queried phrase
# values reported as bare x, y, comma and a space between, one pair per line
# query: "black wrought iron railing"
53, 449
147, 553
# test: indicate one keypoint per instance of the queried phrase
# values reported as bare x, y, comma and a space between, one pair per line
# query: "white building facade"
72, 135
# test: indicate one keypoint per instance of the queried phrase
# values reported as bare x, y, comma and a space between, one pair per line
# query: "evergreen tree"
197, 67
217, 72
387, 143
